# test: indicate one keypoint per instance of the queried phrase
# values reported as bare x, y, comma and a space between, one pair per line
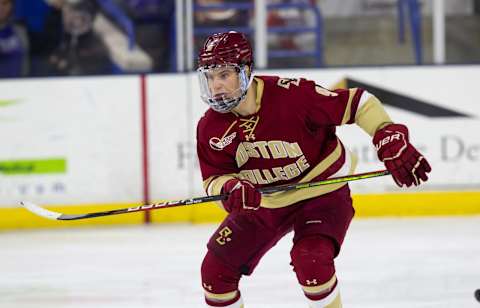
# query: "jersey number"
285, 82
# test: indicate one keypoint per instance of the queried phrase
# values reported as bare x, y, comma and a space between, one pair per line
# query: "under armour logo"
310, 282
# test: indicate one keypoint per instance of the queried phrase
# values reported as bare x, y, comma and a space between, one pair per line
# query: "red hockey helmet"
229, 51
226, 48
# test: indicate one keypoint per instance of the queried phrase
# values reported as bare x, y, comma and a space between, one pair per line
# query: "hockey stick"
40, 211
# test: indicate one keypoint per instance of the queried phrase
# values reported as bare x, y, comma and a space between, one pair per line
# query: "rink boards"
77, 144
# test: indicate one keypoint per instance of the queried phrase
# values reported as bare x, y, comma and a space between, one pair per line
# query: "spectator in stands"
221, 17
228, 19
13, 43
81, 51
44, 29
291, 18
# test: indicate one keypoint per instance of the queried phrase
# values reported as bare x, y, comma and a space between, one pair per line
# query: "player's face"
224, 86
223, 82
5, 10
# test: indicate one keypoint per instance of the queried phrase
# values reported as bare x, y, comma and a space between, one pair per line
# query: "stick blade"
40, 211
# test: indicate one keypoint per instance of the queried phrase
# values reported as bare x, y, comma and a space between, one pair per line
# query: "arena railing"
317, 29
413, 7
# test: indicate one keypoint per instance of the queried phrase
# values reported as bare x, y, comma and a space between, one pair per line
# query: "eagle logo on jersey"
220, 144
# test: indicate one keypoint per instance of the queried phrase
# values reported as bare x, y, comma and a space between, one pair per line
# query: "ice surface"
417, 262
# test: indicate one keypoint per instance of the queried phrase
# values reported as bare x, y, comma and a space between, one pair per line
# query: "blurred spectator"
227, 19
222, 17
80, 51
154, 29
291, 17
44, 29
13, 43
72, 37
283, 18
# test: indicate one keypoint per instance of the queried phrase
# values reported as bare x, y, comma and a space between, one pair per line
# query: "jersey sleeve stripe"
348, 108
350, 160
363, 99
324, 164
356, 105
213, 186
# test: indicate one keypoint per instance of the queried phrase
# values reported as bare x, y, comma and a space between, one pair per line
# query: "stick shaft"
38, 210
341, 179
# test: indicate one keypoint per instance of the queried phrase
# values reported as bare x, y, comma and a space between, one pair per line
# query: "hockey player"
266, 130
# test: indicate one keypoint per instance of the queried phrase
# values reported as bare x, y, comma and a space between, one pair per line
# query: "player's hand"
404, 162
242, 195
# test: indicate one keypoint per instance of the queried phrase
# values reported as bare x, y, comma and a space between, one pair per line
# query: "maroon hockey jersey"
290, 138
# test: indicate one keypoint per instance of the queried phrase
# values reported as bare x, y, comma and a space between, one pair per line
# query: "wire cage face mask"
223, 102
